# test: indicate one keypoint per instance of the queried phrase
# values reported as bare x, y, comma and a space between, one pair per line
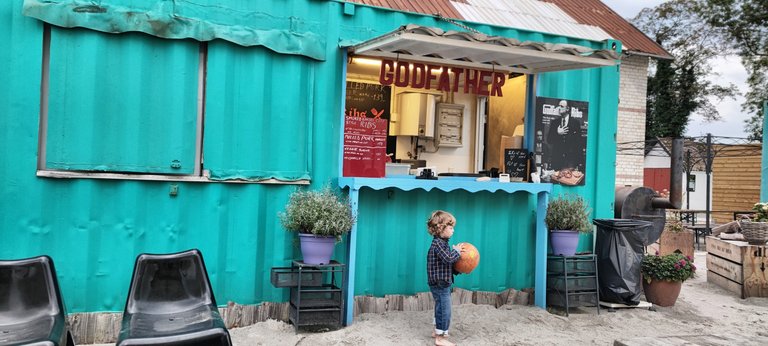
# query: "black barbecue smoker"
639, 218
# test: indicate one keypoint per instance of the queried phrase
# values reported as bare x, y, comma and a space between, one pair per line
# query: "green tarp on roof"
183, 19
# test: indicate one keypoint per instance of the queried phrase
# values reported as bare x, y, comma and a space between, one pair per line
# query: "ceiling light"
366, 61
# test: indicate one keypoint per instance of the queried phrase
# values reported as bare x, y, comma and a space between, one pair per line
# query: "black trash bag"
619, 251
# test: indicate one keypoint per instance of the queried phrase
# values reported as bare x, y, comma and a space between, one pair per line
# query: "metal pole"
688, 168
764, 160
708, 164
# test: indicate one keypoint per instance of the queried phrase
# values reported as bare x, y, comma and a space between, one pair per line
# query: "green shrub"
568, 213
761, 212
319, 212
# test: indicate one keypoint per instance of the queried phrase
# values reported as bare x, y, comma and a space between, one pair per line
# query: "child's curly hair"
437, 222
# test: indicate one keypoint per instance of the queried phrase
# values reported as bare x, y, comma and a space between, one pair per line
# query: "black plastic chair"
31, 307
171, 302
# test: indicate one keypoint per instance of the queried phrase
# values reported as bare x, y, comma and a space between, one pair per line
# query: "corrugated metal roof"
587, 19
528, 14
478, 50
522, 14
594, 12
442, 7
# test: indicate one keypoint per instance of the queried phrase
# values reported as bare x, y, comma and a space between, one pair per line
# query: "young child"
440, 260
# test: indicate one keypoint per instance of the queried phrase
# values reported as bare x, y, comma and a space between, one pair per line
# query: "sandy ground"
702, 309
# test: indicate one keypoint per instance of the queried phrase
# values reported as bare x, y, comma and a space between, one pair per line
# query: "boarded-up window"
121, 103
259, 114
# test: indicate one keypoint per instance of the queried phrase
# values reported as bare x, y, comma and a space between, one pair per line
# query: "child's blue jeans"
442, 296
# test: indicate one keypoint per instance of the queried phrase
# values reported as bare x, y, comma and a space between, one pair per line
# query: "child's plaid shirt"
440, 260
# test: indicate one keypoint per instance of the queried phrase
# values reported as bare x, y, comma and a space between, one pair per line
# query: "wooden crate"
738, 267
670, 242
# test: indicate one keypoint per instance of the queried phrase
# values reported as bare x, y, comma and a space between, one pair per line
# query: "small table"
688, 216
700, 231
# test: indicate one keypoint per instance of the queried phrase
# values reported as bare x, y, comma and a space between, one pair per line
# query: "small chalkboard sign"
516, 164
367, 100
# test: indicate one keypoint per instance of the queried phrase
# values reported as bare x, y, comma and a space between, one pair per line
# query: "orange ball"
470, 257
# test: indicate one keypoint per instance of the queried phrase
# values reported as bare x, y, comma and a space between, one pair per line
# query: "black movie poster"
560, 149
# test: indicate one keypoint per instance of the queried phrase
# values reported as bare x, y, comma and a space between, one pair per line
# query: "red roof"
443, 7
589, 12
594, 12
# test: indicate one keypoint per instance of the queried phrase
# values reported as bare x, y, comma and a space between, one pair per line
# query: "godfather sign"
420, 76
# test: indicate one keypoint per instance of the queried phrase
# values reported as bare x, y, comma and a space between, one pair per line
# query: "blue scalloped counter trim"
408, 183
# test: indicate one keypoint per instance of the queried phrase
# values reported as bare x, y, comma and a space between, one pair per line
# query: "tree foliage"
745, 22
683, 86
665, 118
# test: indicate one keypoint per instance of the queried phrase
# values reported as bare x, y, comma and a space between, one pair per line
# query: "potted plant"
675, 237
755, 231
567, 216
663, 276
320, 217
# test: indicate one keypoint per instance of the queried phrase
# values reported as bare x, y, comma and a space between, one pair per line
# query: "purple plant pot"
316, 249
564, 243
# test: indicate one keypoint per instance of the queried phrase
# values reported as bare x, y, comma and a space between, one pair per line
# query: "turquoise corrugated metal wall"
289, 122
393, 240
95, 228
599, 87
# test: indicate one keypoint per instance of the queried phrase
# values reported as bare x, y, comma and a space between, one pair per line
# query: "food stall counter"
447, 184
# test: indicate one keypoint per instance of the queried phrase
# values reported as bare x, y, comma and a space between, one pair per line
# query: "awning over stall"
476, 50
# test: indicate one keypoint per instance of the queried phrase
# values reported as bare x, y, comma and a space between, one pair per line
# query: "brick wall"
631, 122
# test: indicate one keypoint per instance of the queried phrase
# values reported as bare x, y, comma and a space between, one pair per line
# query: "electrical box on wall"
450, 122
415, 115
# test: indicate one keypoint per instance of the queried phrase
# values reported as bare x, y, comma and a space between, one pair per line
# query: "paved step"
688, 340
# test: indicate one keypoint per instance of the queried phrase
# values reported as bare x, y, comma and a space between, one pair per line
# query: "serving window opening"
405, 117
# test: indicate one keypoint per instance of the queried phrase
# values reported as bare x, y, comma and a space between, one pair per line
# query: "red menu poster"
365, 147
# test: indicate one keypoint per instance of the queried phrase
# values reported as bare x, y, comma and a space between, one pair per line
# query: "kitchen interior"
450, 133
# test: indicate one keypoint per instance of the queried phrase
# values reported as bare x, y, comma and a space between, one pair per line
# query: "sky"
730, 70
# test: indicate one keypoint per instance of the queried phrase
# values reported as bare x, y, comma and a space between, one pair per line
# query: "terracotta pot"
662, 292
